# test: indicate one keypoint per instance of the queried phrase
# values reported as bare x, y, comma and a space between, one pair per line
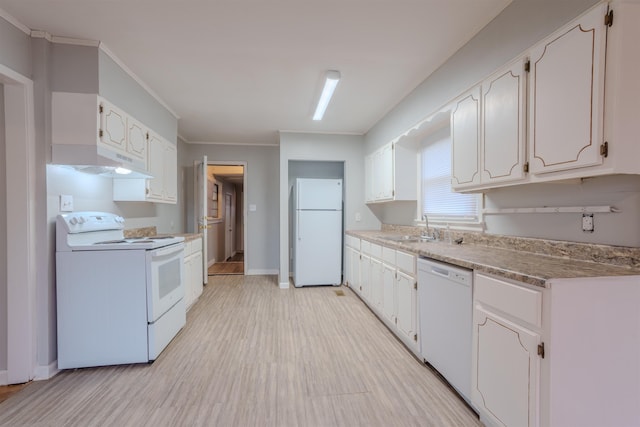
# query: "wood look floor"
255, 355
233, 265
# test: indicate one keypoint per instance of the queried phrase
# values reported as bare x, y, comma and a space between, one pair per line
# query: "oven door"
165, 279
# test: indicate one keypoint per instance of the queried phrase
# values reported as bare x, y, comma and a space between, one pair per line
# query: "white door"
385, 169
228, 227
465, 140
365, 276
375, 290
567, 96
406, 306
504, 124
388, 292
505, 370
200, 179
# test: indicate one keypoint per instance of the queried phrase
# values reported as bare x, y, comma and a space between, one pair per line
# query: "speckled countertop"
152, 231
537, 269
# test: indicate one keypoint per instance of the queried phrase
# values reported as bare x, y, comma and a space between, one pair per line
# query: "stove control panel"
82, 222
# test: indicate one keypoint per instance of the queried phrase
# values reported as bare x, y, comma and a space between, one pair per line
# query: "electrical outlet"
587, 223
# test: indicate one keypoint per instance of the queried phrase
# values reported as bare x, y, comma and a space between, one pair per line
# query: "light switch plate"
252, 208
66, 203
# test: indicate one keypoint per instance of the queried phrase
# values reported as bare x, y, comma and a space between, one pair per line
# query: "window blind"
438, 201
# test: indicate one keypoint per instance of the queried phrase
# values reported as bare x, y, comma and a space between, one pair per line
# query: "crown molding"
318, 132
37, 34
247, 144
138, 80
13, 21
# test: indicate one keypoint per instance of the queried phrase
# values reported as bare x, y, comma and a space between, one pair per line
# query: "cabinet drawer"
196, 245
376, 250
518, 301
188, 248
406, 262
389, 255
365, 247
352, 242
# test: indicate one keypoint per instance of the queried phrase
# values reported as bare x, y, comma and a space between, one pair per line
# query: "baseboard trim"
4, 377
44, 372
261, 272
284, 285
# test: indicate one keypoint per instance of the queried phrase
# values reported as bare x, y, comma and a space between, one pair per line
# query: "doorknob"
202, 227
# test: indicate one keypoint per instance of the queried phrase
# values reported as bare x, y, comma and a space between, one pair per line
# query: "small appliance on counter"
119, 300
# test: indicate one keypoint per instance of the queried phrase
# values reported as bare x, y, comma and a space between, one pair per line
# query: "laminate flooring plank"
253, 354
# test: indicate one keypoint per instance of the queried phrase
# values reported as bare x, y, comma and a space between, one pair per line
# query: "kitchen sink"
408, 238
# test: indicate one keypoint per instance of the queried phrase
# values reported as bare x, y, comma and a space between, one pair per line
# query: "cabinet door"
388, 292
188, 281
506, 368
113, 126
375, 290
504, 124
170, 173
156, 168
369, 179
567, 95
385, 169
365, 273
197, 275
406, 306
137, 140
465, 140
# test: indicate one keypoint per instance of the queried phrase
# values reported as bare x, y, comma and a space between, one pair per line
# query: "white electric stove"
119, 300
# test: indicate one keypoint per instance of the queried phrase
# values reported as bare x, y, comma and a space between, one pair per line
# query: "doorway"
227, 239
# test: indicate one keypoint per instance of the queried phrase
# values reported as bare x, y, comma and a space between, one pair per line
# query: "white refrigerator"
317, 232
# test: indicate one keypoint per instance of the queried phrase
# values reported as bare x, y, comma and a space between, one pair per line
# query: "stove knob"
81, 220
73, 220
120, 219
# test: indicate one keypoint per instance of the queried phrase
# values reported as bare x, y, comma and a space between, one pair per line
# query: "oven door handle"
159, 253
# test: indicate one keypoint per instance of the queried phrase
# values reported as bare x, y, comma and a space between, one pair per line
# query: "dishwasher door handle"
440, 271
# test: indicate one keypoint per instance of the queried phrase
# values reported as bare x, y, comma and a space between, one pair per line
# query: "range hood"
77, 123
110, 171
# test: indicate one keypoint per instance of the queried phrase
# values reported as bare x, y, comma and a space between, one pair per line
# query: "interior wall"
3, 240
262, 194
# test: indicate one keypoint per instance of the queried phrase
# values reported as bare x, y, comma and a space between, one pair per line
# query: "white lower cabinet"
406, 306
193, 273
388, 286
388, 292
556, 356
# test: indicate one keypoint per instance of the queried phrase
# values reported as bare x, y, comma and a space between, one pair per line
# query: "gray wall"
262, 190
15, 49
119, 88
3, 240
518, 27
73, 68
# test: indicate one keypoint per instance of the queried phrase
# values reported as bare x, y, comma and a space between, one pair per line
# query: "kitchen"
267, 164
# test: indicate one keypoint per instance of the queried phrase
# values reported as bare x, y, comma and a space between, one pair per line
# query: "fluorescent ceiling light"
332, 79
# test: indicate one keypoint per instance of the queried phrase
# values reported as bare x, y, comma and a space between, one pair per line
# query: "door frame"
245, 218
229, 221
21, 226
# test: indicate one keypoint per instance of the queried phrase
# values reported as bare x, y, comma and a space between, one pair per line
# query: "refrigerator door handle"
298, 225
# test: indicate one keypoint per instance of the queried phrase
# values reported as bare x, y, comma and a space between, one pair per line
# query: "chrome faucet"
425, 233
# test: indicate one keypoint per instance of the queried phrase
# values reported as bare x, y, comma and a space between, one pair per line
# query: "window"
439, 203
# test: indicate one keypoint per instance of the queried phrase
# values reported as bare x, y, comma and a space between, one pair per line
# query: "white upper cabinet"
503, 137
564, 118
390, 173
123, 133
567, 96
88, 130
163, 167
465, 140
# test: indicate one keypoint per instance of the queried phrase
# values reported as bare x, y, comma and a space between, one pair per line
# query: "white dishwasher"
445, 313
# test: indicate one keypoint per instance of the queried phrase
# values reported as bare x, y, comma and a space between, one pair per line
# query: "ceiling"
239, 71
